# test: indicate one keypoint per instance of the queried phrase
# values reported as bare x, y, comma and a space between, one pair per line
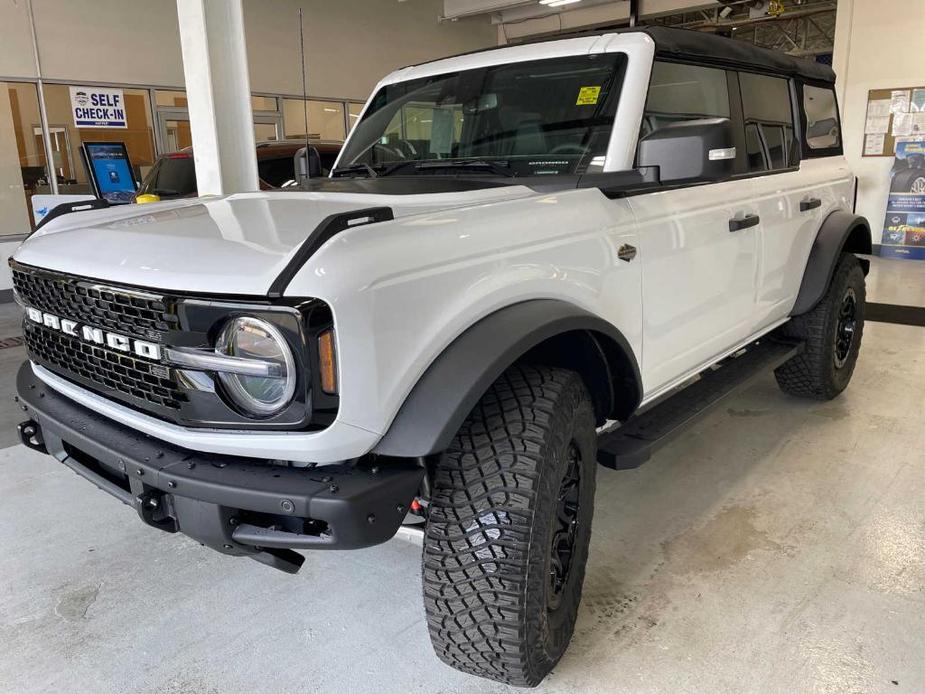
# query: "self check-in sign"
98, 107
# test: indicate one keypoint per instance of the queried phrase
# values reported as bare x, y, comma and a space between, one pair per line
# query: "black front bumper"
236, 505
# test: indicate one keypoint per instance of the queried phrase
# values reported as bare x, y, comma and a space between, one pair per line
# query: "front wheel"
509, 525
831, 333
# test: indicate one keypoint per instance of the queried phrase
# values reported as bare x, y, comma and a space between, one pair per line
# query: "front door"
698, 277
699, 272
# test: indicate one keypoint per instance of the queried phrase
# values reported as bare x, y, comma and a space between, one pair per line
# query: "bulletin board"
893, 116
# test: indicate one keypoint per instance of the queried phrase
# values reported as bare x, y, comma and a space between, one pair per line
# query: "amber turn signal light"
327, 363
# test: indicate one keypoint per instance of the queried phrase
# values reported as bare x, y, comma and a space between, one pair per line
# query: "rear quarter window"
822, 126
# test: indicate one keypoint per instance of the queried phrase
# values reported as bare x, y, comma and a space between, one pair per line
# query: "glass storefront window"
354, 110
325, 120
169, 98
178, 134
173, 98
22, 157
263, 103
66, 138
265, 132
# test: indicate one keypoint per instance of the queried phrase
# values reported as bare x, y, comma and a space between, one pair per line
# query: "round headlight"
251, 338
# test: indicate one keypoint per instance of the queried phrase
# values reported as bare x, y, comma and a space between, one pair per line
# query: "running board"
632, 443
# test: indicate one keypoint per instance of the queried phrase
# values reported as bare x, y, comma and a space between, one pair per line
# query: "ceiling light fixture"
557, 3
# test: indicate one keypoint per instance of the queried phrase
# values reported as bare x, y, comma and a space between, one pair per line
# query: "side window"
822, 129
768, 117
680, 92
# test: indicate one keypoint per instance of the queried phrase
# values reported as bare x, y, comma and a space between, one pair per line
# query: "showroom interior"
775, 544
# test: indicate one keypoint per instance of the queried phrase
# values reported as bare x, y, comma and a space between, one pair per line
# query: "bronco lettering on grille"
88, 333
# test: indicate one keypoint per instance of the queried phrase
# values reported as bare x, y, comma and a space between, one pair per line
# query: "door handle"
749, 220
810, 204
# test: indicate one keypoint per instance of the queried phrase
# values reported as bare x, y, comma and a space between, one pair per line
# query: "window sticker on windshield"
587, 96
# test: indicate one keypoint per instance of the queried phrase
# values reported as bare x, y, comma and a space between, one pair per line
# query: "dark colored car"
174, 175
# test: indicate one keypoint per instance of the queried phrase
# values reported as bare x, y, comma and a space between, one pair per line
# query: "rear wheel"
509, 525
831, 333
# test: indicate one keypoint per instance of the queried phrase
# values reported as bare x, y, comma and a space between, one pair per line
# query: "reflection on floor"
896, 282
10, 359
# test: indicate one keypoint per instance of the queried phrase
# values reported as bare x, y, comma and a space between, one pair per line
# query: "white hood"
221, 245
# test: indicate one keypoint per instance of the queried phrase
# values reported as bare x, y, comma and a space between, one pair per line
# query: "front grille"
62, 339
104, 368
119, 310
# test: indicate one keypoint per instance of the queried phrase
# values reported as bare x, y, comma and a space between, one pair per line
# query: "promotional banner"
904, 226
98, 107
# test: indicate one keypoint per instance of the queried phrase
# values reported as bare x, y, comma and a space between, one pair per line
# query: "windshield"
534, 118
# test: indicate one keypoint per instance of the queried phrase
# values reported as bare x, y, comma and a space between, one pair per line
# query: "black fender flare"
455, 381
842, 231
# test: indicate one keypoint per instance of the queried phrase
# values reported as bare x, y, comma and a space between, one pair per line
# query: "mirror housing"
690, 151
307, 164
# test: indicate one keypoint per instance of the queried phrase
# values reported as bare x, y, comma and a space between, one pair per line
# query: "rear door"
699, 278
792, 196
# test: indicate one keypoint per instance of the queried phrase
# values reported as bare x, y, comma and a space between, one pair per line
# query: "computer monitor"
110, 171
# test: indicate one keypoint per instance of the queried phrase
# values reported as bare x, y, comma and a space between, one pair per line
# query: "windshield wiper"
491, 166
356, 168
450, 164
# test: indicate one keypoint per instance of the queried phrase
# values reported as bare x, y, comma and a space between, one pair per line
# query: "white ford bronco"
528, 261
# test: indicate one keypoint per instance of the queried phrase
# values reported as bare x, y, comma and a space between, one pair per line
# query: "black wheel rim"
846, 329
562, 546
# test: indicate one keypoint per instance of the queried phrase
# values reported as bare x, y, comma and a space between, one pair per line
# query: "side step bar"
631, 444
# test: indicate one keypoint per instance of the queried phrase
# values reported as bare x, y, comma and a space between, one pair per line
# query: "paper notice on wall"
918, 123
899, 101
873, 145
918, 100
878, 108
902, 124
877, 124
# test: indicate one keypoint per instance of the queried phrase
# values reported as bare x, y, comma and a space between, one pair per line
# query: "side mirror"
690, 151
307, 164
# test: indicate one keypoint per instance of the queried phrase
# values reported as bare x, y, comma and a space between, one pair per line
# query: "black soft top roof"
710, 48
703, 47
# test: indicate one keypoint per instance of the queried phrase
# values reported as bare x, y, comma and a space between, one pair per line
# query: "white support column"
219, 95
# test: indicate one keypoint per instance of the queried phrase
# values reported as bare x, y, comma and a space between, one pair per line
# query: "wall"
350, 44
877, 46
15, 40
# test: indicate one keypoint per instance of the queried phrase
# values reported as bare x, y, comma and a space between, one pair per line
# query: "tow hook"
30, 433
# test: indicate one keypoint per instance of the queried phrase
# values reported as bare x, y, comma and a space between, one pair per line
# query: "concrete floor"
778, 546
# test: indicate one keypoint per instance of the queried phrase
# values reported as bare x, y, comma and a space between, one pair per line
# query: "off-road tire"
495, 505
815, 373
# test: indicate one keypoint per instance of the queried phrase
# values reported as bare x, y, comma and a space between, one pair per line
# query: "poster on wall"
904, 226
98, 107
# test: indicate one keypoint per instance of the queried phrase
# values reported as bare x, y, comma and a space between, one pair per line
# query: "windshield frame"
595, 129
